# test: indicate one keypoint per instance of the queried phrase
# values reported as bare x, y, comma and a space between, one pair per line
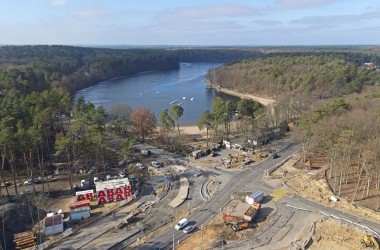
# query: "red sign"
109, 195
85, 195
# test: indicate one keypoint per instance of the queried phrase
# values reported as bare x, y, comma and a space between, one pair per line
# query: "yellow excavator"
370, 241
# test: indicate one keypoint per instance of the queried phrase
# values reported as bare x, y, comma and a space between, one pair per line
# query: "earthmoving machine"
370, 241
237, 223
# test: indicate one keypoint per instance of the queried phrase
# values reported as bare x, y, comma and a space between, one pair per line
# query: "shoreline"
262, 100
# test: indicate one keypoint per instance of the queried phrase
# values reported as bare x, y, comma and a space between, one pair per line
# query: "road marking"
278, 194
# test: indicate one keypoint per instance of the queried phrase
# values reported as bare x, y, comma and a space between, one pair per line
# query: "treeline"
24, 69
216, 54
322, 75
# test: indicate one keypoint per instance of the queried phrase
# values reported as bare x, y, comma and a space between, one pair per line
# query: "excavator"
237, 224
370, 241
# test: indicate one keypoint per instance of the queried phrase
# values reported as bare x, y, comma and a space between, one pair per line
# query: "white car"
122, 174
28, 182
140, 165
156, 164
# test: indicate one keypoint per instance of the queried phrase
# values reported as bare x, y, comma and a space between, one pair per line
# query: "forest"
24, 69
321, 75
36, 105
334, 101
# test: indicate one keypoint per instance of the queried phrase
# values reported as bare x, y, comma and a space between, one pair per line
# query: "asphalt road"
251, 175
213, 206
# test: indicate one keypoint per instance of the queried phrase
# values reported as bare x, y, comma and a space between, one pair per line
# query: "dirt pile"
331, 234
314, 187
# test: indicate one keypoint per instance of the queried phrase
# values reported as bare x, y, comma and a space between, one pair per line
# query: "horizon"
207, 23
194, 46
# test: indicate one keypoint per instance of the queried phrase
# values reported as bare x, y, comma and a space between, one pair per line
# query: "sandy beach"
262, 100
194, 130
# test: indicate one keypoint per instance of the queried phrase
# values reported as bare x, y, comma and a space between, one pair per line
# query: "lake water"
157, 89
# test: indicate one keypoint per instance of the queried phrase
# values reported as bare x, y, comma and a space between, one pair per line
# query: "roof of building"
53, 220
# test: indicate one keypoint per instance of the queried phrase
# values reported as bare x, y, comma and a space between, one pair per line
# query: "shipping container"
254, 197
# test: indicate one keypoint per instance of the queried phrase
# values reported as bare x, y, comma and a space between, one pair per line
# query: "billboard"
113, 190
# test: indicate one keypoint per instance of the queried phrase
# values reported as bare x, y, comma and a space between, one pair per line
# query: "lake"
157, 89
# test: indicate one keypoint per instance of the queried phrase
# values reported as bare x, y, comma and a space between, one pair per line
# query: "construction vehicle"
237, 223
369, 241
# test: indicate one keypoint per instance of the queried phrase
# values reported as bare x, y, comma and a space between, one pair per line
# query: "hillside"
322, 75
24, 69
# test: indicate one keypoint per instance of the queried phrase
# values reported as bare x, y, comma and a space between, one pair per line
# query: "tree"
120, 116
166, 122
248, 108
143, 122
205, 121
176, 112
126, 147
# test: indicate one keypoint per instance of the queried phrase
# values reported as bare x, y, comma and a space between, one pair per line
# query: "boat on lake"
179, 104
175, 101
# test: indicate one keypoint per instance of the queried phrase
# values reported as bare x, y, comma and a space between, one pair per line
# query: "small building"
80, 210
53, 224
369, 65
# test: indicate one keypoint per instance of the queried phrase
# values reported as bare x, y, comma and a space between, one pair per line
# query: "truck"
146, 152
251, 213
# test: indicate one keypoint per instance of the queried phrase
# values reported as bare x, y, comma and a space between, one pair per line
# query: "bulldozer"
237, 223
369, 241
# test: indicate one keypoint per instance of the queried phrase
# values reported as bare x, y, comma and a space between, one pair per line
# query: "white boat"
184, 97
179, 104
171, 103
192, 99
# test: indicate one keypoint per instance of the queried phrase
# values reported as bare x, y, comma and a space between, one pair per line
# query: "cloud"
58, 2
298, 4
267, 22
207, 12
337, 20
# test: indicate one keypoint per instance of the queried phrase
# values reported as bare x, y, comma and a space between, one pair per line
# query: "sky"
193, 22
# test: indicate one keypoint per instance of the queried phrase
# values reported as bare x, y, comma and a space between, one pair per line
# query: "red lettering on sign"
102, 200
81, 197
101, 194
127, 191
119, 197
119, 191
89, 196
110, 195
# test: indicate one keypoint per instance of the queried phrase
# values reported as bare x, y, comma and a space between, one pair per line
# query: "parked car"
246, 161
37, 180
108, 166
156, 164
140, 165
92, 171
146, 152
122, 174
26, 192
188, 229
28, 182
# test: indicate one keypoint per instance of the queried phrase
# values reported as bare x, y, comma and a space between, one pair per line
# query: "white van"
181, 224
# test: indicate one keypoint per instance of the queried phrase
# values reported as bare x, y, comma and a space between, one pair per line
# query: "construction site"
240, 223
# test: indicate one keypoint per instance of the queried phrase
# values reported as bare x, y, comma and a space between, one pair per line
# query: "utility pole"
201, 237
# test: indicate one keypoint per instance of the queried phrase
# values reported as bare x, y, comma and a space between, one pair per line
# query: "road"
212, 207
251, 175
